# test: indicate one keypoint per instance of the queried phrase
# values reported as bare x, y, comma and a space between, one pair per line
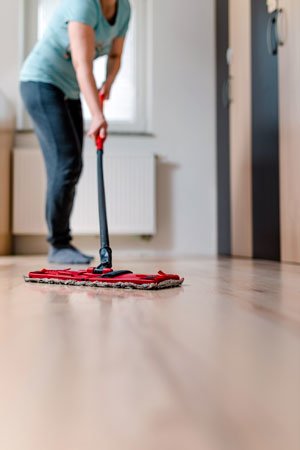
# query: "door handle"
275, 32
280, 31
271, 35
226, 92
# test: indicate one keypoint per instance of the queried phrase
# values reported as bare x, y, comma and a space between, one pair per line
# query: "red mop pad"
123, 279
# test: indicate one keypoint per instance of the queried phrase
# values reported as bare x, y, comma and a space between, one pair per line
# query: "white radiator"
130, 180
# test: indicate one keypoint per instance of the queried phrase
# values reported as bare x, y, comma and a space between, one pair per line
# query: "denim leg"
58, 125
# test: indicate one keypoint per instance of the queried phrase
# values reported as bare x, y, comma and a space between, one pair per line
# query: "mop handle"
100, 140
105, 250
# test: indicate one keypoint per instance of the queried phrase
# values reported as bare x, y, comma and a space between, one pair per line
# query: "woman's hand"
105, 89
98, 127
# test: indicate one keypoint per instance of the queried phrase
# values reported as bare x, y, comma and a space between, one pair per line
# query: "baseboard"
124, 247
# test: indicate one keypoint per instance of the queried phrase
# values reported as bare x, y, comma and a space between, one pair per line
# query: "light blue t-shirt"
50, 60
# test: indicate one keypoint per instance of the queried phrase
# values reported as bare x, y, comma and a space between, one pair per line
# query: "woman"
60, 67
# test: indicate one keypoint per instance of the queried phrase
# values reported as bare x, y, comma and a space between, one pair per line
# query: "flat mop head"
122, 279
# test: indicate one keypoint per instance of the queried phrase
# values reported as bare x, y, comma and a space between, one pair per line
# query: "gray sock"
68, 255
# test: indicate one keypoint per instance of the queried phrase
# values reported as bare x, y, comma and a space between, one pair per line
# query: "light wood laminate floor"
212, 365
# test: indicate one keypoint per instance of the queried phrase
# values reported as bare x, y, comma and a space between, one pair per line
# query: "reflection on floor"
212, 365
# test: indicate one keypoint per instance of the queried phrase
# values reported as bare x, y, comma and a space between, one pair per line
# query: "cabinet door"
265, 134
289, 82
223, 150
240, 127
6, 138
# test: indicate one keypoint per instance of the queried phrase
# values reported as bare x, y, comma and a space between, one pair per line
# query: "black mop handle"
105, 250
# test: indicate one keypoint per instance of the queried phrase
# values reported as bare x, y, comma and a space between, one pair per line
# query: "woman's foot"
68, 255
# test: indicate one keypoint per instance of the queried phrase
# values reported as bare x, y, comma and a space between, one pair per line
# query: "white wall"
183, 123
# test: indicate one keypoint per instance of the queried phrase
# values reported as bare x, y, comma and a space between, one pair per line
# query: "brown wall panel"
240, 127
289, 81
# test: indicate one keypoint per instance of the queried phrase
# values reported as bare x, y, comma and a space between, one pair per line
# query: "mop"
103, 275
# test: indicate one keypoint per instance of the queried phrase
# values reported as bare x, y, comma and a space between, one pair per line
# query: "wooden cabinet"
263, 153
289, 82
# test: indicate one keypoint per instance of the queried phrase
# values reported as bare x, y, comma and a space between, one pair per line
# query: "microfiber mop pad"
115, 279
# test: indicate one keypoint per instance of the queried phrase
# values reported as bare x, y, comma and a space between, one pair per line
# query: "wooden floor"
212, 365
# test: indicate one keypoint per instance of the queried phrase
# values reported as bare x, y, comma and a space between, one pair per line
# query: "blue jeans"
58, 124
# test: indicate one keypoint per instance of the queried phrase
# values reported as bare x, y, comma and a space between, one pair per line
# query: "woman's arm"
82, 43
113, 64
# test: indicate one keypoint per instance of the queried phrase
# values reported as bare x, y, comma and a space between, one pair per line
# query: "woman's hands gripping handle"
98, 128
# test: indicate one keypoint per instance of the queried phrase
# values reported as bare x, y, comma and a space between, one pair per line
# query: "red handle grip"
100, 140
